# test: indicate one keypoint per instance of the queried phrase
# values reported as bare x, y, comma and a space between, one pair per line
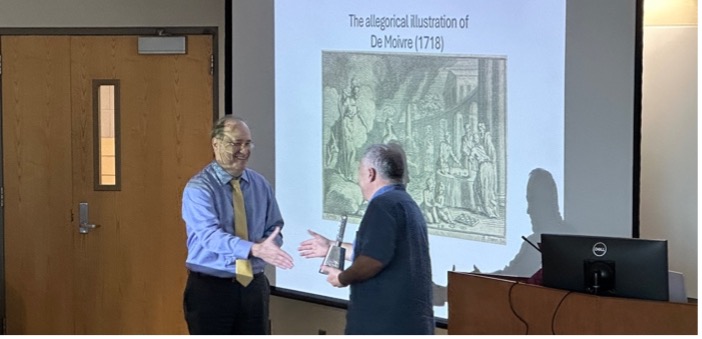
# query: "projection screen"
483, 95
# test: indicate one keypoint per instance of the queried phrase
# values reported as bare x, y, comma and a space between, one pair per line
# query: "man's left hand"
333, 276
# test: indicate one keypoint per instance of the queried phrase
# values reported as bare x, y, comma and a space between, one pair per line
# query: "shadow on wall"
545, 215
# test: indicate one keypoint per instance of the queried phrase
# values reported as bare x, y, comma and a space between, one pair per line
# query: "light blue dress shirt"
208, 213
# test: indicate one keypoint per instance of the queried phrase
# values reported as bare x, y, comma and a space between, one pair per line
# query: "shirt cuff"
242, 251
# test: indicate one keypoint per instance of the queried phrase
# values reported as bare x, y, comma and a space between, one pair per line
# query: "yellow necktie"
244, 272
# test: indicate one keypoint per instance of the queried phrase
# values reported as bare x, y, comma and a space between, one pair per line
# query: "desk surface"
480, 304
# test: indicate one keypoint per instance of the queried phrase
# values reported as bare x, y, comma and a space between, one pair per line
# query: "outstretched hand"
315, 247
269, 251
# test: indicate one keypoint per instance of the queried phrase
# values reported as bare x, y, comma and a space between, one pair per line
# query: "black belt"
212, 277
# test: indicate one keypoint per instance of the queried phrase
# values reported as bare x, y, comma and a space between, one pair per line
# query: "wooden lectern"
485, 304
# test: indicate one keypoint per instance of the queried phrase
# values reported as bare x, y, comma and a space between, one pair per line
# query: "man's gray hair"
389, 160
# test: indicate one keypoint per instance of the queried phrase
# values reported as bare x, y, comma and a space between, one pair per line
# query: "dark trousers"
222, 306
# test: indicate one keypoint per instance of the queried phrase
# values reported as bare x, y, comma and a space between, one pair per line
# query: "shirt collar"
223, 177
386, 188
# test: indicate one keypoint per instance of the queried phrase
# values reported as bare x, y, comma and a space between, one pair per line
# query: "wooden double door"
127, 275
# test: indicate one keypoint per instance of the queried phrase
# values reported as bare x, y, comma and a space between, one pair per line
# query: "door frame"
67, 31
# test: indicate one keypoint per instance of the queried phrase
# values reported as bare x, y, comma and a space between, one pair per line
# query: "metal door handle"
83, 226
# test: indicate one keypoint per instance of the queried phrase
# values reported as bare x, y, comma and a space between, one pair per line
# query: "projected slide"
473, 90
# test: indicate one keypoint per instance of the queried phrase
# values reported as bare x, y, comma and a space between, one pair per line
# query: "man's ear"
214, 143
372, 174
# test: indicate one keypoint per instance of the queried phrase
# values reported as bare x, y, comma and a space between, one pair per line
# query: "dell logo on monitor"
599, 249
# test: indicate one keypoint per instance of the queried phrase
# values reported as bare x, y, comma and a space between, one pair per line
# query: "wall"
669, 133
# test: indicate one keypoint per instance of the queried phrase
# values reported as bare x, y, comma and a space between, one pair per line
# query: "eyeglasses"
248, 145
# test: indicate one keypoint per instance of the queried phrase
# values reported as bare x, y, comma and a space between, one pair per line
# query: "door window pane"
106, 133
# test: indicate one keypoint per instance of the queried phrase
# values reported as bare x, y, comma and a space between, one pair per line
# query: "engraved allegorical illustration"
448, 112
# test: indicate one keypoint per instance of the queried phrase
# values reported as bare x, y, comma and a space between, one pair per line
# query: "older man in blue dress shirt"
214, 301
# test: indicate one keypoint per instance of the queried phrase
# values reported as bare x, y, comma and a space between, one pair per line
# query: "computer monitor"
606, 266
